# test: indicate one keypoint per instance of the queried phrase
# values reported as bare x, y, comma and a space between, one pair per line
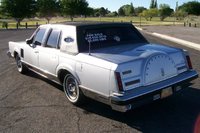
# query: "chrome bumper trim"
125, 101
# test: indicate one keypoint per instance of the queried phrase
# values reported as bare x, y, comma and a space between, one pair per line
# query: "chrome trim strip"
42, 73
55, 80
127, 72
182, 67
39, 69
92, 90
95, 95
132, 82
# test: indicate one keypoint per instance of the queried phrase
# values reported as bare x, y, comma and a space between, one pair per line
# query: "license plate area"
166, 92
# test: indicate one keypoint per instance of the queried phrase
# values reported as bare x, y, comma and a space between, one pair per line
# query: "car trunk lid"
142, 64
127, 53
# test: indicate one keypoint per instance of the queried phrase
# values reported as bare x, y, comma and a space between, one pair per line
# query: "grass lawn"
134, 20
30, 22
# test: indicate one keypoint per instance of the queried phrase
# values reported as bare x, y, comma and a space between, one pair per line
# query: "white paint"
192, 45
139, 28
179, 41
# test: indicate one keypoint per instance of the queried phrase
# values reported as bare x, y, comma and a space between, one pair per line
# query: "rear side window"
53, 39
39, 36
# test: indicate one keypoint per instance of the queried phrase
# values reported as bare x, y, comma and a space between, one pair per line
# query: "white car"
109, 62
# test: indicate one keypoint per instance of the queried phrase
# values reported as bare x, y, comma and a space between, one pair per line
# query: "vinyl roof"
89, 23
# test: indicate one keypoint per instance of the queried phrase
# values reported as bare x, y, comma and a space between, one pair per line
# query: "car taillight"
189, 62
119, 81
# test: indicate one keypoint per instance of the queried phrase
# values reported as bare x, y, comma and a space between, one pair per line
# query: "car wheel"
72, 90
20, 66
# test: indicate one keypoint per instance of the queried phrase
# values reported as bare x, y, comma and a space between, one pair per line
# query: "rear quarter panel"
95, 74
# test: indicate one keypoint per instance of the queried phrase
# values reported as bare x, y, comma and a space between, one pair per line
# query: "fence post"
184, 24
189, 24
26, 25
131, 21
195, 25
36, 24
17, 26
6, 24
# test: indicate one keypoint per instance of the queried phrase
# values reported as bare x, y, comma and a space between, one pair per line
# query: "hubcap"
19, 63
71, 88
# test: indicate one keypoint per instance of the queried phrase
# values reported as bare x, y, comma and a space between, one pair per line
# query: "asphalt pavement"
190, 34
30, 103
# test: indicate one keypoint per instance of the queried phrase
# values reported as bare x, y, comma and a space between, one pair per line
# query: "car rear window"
110, 36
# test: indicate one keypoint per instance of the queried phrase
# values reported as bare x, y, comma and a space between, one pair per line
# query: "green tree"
149, 14
47, 8
102, 11
131, 9
176, 9
121, 12
112, 14
152, 4
115, 13
74, 7
90, 11
165, 11
128, 10
139, 10
180, 15
19, 9
145, 15
156, 4
96, 12
153, 13
1, 12
192, 7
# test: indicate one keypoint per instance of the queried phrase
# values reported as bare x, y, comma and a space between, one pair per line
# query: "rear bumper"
142, 95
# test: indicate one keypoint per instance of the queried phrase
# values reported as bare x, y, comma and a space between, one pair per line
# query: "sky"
114, 5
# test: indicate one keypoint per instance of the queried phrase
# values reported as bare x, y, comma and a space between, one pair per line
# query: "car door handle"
36, 52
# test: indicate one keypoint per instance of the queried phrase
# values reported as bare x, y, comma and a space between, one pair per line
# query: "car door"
48, 56
31, 52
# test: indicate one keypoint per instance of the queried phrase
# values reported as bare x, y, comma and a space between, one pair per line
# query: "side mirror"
28, 41
32, 45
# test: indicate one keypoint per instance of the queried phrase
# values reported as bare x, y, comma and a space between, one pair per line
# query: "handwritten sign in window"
95, 37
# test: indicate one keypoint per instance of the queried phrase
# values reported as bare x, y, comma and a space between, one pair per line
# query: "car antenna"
89, 47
